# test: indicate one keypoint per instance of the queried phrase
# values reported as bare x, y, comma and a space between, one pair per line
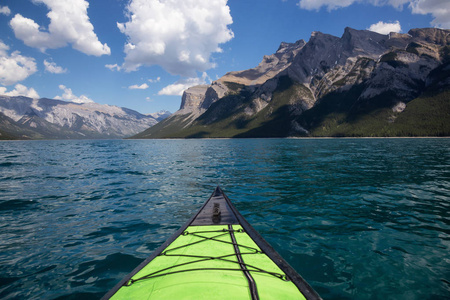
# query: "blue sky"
141, 54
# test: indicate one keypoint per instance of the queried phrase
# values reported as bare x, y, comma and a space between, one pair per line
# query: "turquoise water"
357, 218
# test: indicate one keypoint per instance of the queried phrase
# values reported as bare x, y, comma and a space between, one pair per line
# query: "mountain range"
360, 84
27, 118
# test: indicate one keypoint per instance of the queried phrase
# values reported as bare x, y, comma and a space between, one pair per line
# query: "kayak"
217, 254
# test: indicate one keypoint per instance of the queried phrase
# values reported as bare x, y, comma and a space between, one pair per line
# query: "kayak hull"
215, 255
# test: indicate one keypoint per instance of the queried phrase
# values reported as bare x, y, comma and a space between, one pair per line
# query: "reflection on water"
358, 218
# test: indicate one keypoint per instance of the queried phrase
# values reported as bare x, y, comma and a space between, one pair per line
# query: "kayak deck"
216, 255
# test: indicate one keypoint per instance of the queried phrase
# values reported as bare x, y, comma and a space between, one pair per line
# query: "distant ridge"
27, 118
360, 84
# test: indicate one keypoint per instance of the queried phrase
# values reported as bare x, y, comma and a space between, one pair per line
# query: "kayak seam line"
250, 279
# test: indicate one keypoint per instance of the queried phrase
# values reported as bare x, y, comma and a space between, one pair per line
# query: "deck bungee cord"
243, 266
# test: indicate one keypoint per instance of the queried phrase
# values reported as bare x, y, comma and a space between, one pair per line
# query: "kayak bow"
217, 254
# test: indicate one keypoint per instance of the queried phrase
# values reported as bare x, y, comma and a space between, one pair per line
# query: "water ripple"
358, 218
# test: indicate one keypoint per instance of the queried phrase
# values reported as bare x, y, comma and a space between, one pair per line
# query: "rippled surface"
357, 218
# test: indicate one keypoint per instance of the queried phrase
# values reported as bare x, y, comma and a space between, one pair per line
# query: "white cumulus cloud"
385, 28
333, 4
177, 88
178, 35
20, 90
143, 86
69, 96
113, 67
14, 67
329, 4
4, 10
439, 9
52, 67
69, 24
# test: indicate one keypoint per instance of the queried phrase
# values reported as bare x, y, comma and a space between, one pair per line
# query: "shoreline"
248, 138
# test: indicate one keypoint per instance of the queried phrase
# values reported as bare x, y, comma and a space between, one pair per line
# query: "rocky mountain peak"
319, 39
285, 47
270, 66
327, 86
363, 42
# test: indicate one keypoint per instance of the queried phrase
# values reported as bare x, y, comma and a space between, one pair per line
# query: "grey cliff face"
327, 64
199, 98
193, 97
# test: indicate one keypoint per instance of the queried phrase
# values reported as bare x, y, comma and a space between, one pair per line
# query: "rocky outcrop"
270, 66
431, 35
200, 97
193, 97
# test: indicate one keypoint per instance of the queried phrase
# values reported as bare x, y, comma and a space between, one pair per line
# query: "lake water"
357, 218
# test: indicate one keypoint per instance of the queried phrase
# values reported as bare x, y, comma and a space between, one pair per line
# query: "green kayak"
217, 254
